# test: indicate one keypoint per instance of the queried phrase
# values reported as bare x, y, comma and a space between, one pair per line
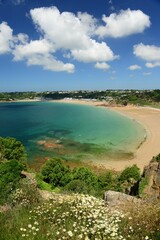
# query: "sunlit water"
78, 131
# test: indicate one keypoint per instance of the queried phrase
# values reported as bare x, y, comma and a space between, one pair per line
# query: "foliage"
128, 173
12, 162
55, 173
141, 97
157, 158
86, 176
84, 180
106, 180
77, 186
142, 184
10, 174
12, 149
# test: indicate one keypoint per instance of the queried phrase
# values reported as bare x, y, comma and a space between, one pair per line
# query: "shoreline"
148, 117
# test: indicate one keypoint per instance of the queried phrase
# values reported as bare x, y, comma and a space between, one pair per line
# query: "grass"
77, 217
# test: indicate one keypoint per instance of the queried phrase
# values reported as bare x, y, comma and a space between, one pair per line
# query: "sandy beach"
146, 116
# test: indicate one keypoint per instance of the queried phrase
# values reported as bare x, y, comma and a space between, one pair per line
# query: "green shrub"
10, 174
142, 184
157, 158
85, 175
106, 180
55, 173
11, 149
77, 186
130, 173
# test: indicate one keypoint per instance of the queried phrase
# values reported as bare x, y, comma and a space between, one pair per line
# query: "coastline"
149, 118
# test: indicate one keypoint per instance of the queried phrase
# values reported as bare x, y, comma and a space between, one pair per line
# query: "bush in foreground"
12, 149
10, 175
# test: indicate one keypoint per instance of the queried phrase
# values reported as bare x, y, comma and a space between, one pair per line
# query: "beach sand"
149, 118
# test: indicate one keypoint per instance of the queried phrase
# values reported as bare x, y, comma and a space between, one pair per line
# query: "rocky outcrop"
152, 174
113, 198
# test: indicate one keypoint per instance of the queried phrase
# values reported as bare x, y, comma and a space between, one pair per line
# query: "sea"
72, 132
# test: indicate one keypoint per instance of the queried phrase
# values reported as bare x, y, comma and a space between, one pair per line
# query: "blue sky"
79, 44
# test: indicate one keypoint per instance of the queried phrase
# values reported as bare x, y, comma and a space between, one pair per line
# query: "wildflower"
70, 233
36, 223
80, 236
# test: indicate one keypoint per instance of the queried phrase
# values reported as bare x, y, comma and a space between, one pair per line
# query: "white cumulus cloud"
65, 30
94, 52
149, 53
23, 51
102, 65
72, 32
6, 38
65, 37
48, 62
134, 67
125, 23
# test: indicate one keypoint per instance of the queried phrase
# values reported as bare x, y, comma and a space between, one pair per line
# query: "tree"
10, 174
77, 186
55, 173
86, 176
12, 149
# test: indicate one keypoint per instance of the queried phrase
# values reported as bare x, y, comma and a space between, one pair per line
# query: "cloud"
5, 38
102, 65
149, 53
48, 62
70, 31
94, 52
125, 23
38, 52
27, 50
78, 31
65, 36
147, 73
152, 65
134, 67
72, 36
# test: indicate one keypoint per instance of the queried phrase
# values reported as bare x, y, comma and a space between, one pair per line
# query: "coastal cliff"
152, 174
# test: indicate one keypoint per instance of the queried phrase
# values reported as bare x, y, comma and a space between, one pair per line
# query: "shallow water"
73, 132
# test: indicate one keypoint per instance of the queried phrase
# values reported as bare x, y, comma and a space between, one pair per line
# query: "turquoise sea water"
72, 131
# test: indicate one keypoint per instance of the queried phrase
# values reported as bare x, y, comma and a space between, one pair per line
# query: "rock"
152, 173
113, 198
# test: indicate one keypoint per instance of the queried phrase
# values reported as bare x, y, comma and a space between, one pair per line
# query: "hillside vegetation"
124, 97
72, 213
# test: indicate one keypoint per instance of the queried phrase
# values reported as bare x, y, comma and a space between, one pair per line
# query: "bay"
70, 131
